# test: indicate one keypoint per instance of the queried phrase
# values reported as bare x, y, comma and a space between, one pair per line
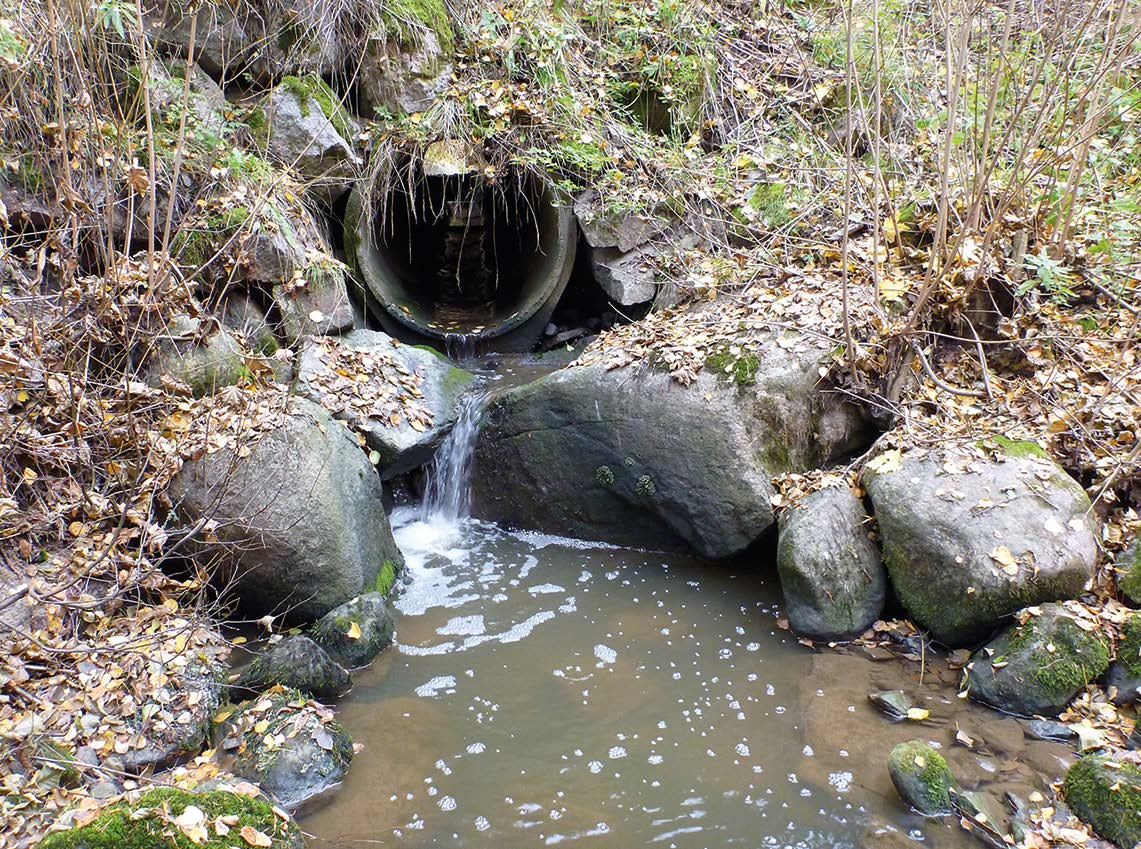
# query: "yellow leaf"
261, 726
918, 713
254, 837
920, 761
354, 632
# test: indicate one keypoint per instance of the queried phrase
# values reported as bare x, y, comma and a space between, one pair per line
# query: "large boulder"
407, 62
289, 746
299, 514
831, 575
307, 128
404, 399
149, 819
636, 458
970, 539
1036, 666
298, 663
357, 631
1106, 793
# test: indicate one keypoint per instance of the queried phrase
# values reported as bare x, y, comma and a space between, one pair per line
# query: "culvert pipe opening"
456, 256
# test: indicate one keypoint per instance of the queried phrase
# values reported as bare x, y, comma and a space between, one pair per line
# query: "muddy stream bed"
546, 691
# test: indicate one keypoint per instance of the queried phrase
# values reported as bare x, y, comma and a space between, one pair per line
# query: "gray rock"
606, 228
921, 777
628, 277
205, 103
401, 447
317, 303
636, 458
1127, 683
197, 352
833, 581
949, 524
308, 130
21, 614
311, 759
893, 703
1127, 565
404, 75
1048, 729
301, 518
1125, 671
168, 739
297, 663
356, 646
1036, 668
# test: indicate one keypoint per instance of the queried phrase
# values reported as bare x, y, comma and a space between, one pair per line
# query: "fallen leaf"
254, 837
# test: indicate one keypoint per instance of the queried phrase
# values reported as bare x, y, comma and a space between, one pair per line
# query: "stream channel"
544, 691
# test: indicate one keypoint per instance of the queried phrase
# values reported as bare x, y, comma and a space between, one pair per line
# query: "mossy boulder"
306, 128
297, 663
380, 360
148, 822
198, 353
1106, 793
1125, 672
968, 540
833, 581
634, 457
289, 746
407, 64
921, 777
357, 631
300, 518
201, 107
1036, 667
1127, 564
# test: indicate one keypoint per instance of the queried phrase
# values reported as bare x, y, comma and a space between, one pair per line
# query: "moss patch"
1019, 447
1107, 795
146, 824
921, 776
406, 18
735, 365
386, 578
311, 88
1078, 656
1129, 649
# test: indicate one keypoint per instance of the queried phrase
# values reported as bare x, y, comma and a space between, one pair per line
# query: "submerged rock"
1037, 667
296, 663
893, 703
921, 777
1047, 729
300, 518
357, 631
968, 541
636, 458
290, 747
387, 369
831, 576
1106, 793
144, 821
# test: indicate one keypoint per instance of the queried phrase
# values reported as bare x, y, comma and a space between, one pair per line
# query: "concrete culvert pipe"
454, 258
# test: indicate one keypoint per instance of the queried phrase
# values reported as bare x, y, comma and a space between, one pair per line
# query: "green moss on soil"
145, 824
1107, 795
404, 18
1019, 447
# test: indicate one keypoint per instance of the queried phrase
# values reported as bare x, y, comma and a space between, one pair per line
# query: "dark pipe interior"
462, 250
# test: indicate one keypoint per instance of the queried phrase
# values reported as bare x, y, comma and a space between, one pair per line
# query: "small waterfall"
448, 492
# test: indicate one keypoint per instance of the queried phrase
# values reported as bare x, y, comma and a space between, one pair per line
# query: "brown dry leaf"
254, 837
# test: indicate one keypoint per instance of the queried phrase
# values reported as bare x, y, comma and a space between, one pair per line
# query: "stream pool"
545, 691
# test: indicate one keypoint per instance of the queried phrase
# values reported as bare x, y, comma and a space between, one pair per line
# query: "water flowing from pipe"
447, 496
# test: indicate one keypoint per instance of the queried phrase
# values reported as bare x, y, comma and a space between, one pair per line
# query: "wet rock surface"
357, 631
968, 541
833, 581
1037, 667
921, 777
297, 663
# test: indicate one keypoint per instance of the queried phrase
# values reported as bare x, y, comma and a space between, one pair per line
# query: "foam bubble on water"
842, 781
441, 683
617, 752
595, 767
481, 824
447, 803
546, 589
476, 748
808, 752
463, 626
654, 759
605, 654
743, 749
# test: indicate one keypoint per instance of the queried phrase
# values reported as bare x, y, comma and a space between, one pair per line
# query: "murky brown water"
544, 691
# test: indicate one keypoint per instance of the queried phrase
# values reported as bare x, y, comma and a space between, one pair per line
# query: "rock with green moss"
1037, 667
401, 446
316, 300
147, 821
968, 541
1106, 793
291, 747
710, 450
307, 129
199, 353
357, 631
300, 518
833, 581
1127, 564
408, 63
921, 777
1124, 673
298, 663
182, 96
245, 318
